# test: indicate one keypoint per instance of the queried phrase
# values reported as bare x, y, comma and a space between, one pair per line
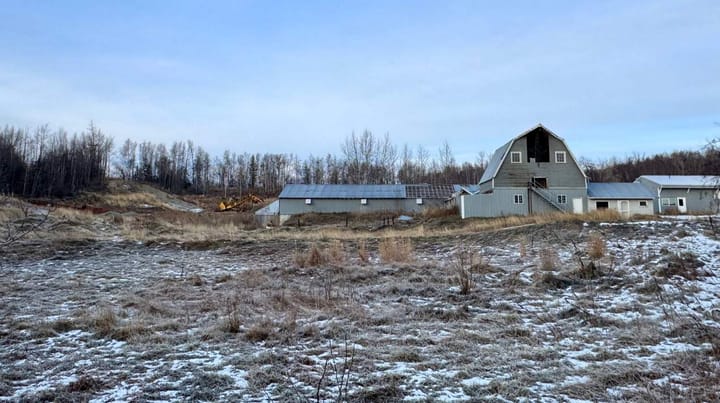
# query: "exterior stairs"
545, 195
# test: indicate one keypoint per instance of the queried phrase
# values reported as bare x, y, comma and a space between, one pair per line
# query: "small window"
515, 157
643, 204
418, 201
562, 199
308, 201
518, 199
363, 201
601, 205
560, 157
668, 202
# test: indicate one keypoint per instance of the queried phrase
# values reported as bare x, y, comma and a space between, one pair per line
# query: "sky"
613, 78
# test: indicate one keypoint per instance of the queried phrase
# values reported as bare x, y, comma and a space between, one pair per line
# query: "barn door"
682, 205
625, 208
577, 205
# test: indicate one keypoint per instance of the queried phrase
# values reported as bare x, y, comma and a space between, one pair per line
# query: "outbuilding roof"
301, 191
684, 181
613, 190
424, 191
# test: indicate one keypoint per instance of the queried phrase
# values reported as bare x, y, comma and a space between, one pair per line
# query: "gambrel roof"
501, 154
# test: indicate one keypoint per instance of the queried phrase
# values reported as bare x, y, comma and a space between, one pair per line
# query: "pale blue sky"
612, 77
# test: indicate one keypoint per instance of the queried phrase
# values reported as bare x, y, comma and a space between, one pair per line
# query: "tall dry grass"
596, 246
396, 250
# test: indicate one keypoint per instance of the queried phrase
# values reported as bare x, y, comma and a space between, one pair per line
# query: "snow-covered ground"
118, 321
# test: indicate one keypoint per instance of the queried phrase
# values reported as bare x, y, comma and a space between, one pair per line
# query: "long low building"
683, 193
301, 198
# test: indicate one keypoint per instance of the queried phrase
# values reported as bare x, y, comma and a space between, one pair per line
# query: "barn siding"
558, 175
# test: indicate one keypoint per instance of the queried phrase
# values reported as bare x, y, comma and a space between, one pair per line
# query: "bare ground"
509, 314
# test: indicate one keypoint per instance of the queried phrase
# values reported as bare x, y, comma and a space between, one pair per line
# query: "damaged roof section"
424, 191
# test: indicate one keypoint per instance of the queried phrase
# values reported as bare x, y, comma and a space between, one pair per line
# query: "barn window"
601, 205
308, 201
515, 157
418, 201
518, 199
643, 204
363, 201
562, 199
668, 202
560, 157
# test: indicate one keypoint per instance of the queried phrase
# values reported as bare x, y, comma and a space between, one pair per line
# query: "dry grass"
441, 212
549, 259
596, 246
334, 254
362, 252
396, 250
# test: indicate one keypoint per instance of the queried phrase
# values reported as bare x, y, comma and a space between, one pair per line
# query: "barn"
302, 198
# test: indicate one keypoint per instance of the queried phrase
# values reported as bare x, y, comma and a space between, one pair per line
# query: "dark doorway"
540, 183
538, 146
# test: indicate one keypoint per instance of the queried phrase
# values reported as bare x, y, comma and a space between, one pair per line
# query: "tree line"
703, 162
45, 163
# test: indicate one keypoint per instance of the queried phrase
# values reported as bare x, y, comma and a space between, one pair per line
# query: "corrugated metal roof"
300, 191
598, 190
495, 162
701, 181
424, 191
428, 191
470, 189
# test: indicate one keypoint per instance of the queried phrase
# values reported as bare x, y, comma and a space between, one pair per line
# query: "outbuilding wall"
298, 206
634, 206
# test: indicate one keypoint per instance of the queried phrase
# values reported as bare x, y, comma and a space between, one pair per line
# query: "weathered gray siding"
540, 205
298, 206
698, 200
502, 202
558, 175
496, 204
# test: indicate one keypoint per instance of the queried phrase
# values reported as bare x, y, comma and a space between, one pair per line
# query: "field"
130, 307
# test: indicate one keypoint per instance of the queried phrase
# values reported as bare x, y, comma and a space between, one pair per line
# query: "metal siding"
698, 200
558, 175
496, 204
298, 206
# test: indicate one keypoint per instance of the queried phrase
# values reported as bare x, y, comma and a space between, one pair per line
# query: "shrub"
396, 250
596, 247
548, 259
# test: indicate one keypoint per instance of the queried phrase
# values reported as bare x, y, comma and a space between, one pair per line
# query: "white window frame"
518, 199
419, 200
363, 201
667, 201
564, 157
308, 201
519, 157
562, 199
